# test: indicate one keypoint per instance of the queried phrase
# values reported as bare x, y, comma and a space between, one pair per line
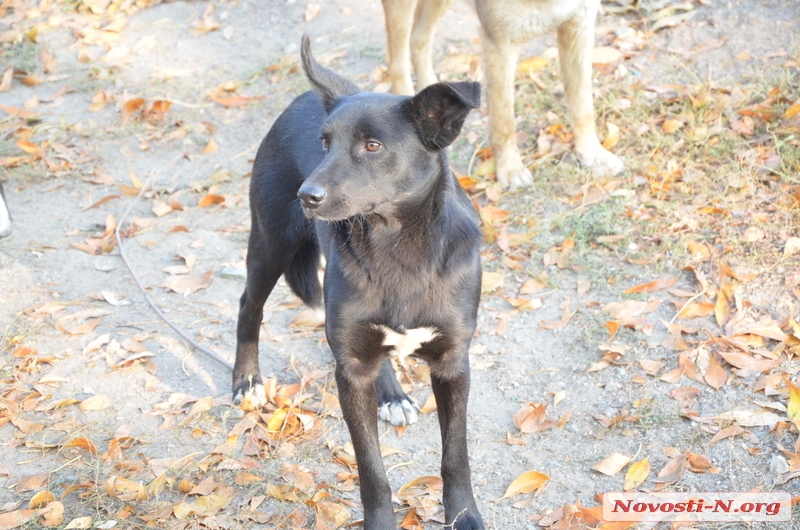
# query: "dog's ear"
330, 85
440, 110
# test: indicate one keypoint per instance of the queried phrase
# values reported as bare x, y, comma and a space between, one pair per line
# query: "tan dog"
506, 25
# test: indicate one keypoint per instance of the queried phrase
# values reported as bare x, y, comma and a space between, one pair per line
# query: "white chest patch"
406, 343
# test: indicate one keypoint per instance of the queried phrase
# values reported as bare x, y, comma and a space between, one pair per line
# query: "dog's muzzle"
312, 195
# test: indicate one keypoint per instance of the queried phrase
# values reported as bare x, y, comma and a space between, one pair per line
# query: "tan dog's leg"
426, 17
500, 64
399, 18
575, 45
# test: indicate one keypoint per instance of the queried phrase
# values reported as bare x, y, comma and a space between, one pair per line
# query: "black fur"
401, 242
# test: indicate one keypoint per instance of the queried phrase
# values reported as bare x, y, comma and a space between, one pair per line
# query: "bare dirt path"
102, 406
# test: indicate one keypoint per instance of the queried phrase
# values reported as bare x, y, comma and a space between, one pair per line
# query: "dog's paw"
401, 412
514, 175
603, 164
468, 521
250, 395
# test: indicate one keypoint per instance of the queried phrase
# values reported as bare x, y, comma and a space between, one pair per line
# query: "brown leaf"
82, 443
129, 108
612, 326
187, 284
612, 464
652, 286
231, 102
52, 514
8, 75
98, 402
86, 327
715, 376
531, 418
17, 518
210, 199
31, 482
733, 430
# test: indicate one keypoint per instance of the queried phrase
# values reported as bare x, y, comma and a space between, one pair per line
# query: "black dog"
5, 217
402, 275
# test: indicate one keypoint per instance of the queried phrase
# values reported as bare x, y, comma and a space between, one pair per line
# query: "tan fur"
506, 25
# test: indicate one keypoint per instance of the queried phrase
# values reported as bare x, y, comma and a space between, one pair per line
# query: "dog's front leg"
399, 19
450, 382
355, 383
500, 62
575, 45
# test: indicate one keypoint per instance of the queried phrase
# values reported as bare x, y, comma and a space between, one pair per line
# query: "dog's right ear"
330, 85
440, 110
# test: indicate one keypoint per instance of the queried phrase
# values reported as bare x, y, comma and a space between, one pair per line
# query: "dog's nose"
311, 195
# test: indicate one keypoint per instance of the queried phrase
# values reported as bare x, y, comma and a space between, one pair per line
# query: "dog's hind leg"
394, 405
399, 18
426, 17
264, 268
575, 45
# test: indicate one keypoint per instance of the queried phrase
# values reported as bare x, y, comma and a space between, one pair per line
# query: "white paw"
514, 177
254, 399
603, 164
402, 413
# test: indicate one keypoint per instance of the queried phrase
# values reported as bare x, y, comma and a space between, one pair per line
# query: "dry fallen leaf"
492, 281
187, 284
612, 464
636, 474
527, 482
98, 402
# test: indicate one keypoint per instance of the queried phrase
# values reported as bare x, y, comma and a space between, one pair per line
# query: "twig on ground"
147, 297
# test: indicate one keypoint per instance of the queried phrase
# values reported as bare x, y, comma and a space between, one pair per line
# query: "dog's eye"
372, 146
324, 141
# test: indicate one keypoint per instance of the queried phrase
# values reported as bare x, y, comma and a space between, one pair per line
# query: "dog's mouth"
322, 215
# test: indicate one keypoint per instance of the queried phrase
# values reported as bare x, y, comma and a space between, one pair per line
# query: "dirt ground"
105, 408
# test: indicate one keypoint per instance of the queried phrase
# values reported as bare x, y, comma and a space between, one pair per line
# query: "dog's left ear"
330, 85
440, 110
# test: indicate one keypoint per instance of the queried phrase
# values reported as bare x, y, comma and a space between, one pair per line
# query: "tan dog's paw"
513, 175
603, 164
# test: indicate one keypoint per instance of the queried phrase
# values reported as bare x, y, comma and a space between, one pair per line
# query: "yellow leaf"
276, 421
527, 482
612, 137
80, 523
531, 65
211, 146
606, 55
636, 474
41, 499
485, 168
492, 281
793, 409
722, 310
130, 107
671, 125
52, 514
793, 110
